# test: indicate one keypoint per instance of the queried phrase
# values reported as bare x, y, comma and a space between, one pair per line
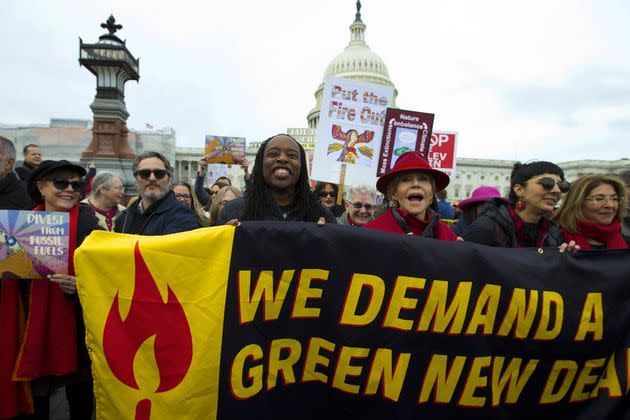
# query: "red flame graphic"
148, 316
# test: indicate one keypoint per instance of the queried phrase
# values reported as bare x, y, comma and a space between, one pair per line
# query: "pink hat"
413, 161
480, 195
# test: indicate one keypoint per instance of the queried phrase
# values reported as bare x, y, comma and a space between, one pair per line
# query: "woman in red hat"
592, 212
410, 187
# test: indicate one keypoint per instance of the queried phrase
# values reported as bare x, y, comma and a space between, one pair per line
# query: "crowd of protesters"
541, 210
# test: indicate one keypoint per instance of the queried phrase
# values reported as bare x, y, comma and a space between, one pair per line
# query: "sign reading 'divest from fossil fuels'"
350, 131
33, 243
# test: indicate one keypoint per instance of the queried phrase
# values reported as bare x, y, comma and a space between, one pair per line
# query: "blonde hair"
570, 212
202, 220
216, 202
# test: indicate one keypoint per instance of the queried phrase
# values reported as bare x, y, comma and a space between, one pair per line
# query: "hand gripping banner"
280, 320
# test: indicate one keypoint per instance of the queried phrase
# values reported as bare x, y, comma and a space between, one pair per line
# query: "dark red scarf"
523, 240
609, 235
47, 345
108, 214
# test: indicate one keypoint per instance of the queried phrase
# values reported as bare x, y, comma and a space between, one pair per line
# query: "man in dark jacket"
156, 211
13, 195
32, 159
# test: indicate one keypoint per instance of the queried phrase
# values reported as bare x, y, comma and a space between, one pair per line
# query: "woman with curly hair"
279, 187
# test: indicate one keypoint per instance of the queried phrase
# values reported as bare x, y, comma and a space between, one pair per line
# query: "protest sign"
404, 131
350, 131
214, 172
227, 150
288, 320
443, 152
33, 243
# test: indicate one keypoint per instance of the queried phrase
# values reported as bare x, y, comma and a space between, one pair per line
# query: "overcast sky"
517, 80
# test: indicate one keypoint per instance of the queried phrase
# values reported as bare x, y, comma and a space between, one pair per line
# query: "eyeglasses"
61, 184
599, 199
548, 183
358, 205
183, 196
146, 173
324, 194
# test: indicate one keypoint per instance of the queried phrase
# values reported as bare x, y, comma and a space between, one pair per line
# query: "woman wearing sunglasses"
535, 190
410, 187
185, 195
327, 195
592, 212
53, 351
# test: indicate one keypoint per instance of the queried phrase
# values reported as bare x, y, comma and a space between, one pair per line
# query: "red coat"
387, 222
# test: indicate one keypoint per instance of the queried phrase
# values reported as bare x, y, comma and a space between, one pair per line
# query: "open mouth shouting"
281, 172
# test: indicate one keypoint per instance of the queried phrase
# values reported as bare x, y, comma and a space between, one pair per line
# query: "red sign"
442, 152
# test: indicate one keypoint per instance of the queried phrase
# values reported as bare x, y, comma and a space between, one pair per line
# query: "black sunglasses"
62, 184
358, 205
323, 194
146, 173
548, 183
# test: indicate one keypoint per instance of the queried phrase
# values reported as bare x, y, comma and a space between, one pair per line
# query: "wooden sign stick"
342, 180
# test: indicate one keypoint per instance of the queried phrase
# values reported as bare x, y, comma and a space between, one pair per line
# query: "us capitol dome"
358, 62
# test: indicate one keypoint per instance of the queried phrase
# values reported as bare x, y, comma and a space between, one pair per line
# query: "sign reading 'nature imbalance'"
288, 320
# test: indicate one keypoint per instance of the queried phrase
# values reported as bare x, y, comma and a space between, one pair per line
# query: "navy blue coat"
161, 218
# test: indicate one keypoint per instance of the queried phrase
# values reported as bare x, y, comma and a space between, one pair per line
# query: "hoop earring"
520, 206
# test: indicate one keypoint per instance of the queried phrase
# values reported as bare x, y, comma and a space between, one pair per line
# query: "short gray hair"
102, 180
360, 189
8, 148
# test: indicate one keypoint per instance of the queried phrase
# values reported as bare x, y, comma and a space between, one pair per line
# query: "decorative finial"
111, 25
357, 17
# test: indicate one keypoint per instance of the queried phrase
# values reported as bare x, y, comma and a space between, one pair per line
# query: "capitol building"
67, 138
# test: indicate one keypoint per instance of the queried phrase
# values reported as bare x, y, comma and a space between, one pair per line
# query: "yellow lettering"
585, 378
609, 380
488, 300
283, 366
592, 320
543, 332
314, 359
376, 286
345, 369
475, 380
254, 374
511, 377
398, 302
305, 292
521, 312
435, 308
568, 368
382, 371
263, 291
441, 378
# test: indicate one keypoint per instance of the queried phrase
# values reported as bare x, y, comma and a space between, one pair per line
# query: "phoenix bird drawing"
350, 139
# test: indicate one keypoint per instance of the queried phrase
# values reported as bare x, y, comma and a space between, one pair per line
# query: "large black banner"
334, 322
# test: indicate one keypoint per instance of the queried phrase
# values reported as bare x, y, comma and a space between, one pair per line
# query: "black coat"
495, 227
13, 194
24, 171
235, 209
165, 216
